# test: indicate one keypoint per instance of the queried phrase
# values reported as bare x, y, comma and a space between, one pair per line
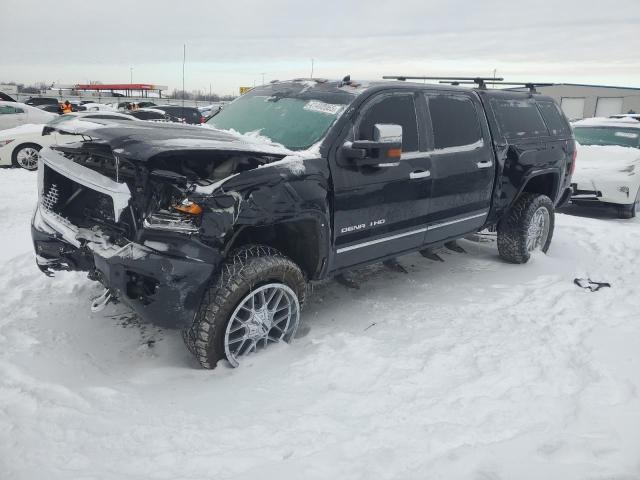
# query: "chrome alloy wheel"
27, 158
268, 314
538, 230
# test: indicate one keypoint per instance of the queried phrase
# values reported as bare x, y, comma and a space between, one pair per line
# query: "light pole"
184, 60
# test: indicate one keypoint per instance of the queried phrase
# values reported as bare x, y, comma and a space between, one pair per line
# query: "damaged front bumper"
162, 288
162, 278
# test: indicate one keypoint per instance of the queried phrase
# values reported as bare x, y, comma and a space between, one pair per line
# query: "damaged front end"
134, 226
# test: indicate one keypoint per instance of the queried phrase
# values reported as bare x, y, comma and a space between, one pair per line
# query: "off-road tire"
14, 155
512, 230
245, 269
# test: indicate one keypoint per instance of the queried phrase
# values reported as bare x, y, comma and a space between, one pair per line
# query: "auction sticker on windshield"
318, 106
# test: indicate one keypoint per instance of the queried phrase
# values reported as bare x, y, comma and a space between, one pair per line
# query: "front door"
382, 210
462, 165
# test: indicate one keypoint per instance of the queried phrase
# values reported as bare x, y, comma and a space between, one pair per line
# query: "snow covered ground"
466, 369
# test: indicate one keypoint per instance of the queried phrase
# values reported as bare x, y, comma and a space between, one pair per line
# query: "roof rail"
480, 81
530, 85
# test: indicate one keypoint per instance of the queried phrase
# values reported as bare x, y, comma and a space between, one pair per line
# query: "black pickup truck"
218, 230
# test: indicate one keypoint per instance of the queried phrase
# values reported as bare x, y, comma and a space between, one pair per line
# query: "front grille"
80, 205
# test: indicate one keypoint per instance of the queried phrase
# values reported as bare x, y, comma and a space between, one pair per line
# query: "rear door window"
454, 121
518, 118
554, 119
392, 109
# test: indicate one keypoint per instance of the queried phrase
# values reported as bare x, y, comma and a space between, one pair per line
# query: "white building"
583, 101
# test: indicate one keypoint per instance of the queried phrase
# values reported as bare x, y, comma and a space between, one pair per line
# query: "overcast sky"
231, 43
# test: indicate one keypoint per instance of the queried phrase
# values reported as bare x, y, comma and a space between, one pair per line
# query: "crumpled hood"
143, 140
594, 161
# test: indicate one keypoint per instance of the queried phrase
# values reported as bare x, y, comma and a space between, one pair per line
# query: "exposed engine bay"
159, 187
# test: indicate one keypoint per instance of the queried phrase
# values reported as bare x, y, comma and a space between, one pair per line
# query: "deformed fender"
270, 195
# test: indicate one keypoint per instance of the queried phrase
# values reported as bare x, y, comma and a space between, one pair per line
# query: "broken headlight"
183, 217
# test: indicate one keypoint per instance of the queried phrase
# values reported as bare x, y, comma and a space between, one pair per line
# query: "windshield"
624, 137
286, 114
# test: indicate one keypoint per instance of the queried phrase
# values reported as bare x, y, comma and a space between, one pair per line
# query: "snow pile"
471, 368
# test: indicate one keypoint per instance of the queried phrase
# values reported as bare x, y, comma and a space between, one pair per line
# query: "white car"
608, 164
13, 114
19, 146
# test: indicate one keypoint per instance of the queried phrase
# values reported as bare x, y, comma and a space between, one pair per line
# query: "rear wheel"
255, 301
527, 227
26, 156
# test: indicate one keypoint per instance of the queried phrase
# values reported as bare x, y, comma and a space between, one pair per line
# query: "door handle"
419, 174
484, 164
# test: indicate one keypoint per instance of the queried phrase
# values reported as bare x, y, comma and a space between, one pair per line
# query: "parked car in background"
51, 108
13, 114
75, 107
182, 114
20, 146
608, 170
131, 106
208, 111
97, 107
37, 101
152, 115
6, 97
633, 116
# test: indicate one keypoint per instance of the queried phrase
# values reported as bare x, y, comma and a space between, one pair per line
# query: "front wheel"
254, 302
527, 227
26, 156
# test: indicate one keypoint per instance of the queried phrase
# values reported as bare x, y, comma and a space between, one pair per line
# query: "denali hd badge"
355, 228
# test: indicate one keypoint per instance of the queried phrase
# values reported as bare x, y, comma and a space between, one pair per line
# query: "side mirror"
387, 132
385, 148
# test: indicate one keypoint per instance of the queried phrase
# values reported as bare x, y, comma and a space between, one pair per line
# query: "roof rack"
480, 81
530, 85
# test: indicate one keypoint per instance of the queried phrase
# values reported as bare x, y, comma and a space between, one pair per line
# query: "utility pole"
311, 68
184, 60
494, 77
131, 75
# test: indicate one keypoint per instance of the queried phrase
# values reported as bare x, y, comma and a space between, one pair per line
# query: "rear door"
382, 210
462, 165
